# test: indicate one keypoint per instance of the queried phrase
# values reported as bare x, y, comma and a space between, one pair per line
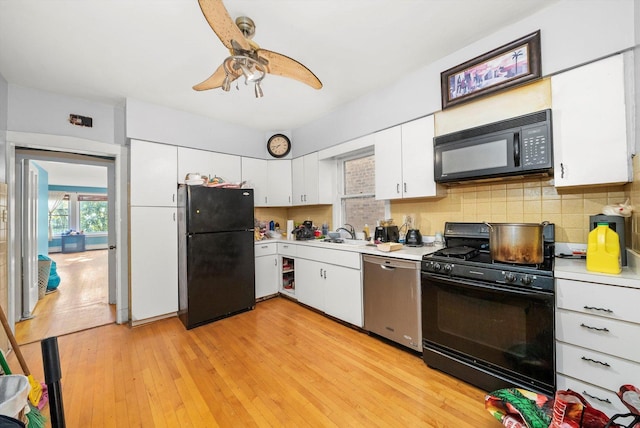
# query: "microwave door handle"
516, 149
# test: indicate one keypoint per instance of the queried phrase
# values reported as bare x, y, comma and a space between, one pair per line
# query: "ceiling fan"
247, 58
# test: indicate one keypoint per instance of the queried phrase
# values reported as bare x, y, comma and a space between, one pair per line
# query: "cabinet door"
204, 162
589, 125
153, 173
266, 276
388, 152
310, 178
343, 294
254, 172
226, 166
279, 182
310, 283
417, 158
154, 262
297, 181
305, 179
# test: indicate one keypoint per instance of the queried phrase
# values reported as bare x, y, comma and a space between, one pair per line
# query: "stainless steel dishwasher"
392, 300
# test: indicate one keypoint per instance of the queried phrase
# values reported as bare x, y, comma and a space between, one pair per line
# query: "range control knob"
509, 277
447, 269
527, 280
436, 266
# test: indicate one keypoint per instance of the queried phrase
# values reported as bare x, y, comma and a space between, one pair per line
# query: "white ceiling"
156, 50
73, 174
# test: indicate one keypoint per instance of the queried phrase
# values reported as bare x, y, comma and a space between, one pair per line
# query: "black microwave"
512, 147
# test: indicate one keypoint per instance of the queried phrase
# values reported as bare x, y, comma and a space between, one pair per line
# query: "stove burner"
463, 252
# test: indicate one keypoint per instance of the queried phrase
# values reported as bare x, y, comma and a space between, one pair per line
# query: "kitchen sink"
349, 241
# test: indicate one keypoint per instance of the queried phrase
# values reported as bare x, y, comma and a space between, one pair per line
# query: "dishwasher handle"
387, 263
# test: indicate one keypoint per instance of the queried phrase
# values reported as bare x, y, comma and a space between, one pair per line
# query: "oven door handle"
493, 288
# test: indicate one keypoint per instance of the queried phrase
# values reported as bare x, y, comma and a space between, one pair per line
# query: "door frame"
70, 146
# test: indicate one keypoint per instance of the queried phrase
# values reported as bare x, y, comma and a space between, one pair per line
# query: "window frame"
340, 204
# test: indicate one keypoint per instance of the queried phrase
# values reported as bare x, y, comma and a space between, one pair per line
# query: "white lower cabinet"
154, 267
267, 269
597, 329
330, 281
310, 283
343, 294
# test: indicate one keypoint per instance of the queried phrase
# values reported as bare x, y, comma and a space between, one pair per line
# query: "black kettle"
413, 238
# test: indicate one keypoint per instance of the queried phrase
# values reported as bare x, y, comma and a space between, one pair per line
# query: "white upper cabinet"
589, 125
152, 174
305, 174
227, 167
270, 180
404, 160
279, 182
417, 158
254, 172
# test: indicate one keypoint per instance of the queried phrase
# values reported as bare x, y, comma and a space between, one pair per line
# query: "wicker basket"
44, 268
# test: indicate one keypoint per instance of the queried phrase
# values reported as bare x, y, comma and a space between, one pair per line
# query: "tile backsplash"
531, 200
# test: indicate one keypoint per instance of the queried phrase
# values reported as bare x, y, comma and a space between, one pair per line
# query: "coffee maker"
617, 224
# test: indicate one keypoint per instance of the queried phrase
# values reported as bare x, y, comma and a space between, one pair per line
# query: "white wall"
42, 112
572, 33
151, 122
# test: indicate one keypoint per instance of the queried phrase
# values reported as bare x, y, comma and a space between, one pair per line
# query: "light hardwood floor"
81, 302
278, 365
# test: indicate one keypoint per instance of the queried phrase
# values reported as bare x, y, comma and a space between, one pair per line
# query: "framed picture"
509, 65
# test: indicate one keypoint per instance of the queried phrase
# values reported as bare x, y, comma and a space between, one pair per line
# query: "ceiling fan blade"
282, 65
222, 24
215, 80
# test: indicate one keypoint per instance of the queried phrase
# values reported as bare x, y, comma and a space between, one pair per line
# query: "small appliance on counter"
617, 224
386, 234
304, 231
413, 238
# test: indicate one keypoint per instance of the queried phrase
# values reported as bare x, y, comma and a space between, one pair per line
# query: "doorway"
70, 244
44, 147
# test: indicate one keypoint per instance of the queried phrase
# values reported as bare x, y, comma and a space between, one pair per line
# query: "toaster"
386, 234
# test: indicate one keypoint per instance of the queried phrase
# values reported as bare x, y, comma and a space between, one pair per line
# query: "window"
93, 213
59, 217
359, 206
78, 211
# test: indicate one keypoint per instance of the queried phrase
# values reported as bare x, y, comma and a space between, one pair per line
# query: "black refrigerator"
216, 263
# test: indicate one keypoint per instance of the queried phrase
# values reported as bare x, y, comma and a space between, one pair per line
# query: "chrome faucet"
351, 231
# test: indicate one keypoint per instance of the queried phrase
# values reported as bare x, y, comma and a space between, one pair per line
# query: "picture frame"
509, 65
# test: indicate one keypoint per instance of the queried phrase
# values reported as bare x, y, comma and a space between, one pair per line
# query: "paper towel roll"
290, 229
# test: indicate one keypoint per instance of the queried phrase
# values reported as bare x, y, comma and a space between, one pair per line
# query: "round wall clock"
279, 145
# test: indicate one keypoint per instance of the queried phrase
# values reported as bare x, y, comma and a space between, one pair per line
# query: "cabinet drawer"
600, 334
287, 249
265, 249
598, 299
599, 369
602, 399
350, 259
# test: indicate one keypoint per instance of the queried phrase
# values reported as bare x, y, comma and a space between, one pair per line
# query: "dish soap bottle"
603, 250
365, 230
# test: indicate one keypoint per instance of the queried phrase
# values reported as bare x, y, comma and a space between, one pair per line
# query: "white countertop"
576, 269
406, 253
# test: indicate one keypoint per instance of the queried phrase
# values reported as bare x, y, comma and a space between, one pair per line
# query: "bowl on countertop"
334, 235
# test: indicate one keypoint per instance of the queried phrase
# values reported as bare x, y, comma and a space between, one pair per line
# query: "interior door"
30, 236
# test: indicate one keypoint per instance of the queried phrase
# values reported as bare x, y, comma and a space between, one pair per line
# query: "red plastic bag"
571, 410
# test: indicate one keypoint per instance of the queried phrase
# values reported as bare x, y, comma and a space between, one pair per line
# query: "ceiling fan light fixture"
258, 90
226, 83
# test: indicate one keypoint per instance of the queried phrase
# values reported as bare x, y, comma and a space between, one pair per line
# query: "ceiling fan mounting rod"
247, 26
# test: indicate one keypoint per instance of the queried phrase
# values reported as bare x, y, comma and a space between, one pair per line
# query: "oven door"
507, 332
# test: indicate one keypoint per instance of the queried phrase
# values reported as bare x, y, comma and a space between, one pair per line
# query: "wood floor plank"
280, 365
